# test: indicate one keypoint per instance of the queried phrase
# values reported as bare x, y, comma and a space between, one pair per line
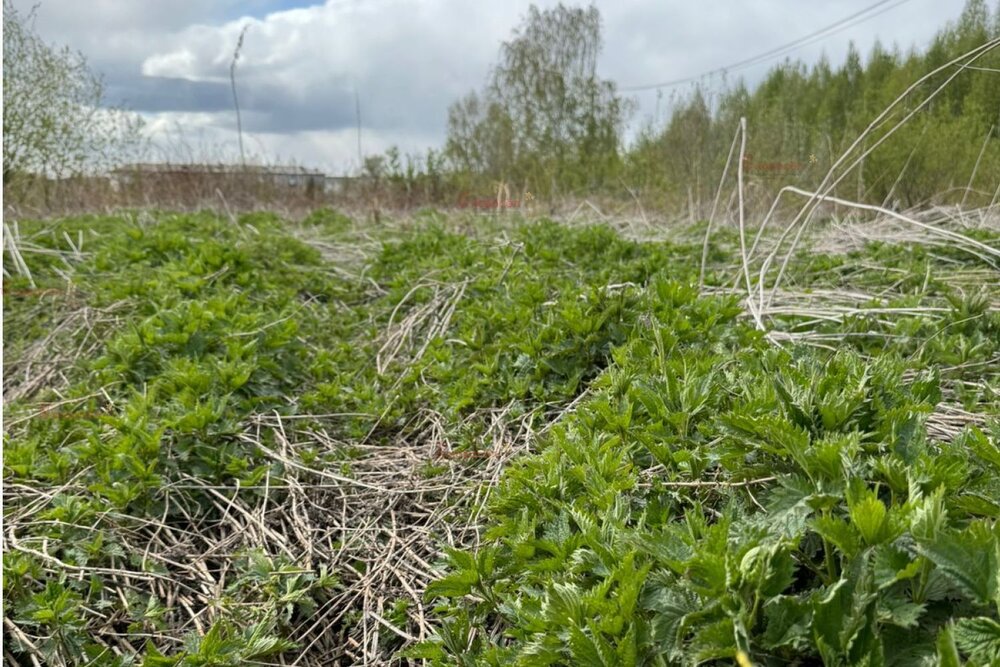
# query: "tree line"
547, 123
809, 116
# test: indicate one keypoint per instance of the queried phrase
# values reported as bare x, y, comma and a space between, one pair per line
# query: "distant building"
339, 185
294, 177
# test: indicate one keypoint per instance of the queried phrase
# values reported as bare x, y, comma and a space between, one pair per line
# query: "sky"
305, 64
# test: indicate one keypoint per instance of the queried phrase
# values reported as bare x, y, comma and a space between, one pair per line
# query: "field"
442, 438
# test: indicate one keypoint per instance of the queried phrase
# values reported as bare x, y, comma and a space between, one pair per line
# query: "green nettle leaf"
893, 564
630, 581
980, 638
797, 412
770, 569
154, 658
666, 546
947, 651
844, 618
981, 446
565, 604
425, 650
929, 517
789, 507
978, 504
841, 534
670, 607
780, 573
753, 562
715, 641
871, 519
970, 559
904, 433
584, 650
256, 643
707, 573
788, 621
455, 632
453, 585
830, 612
899, 611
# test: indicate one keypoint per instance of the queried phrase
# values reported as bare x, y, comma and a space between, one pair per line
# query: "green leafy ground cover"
470, 441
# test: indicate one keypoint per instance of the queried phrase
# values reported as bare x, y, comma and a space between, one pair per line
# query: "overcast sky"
408, 60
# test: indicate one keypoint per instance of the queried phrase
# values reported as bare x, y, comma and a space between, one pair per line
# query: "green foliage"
694, 494
546, 121
715, 497
212, 316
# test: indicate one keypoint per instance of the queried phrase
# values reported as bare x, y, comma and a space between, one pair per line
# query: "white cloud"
212, 138
176, 64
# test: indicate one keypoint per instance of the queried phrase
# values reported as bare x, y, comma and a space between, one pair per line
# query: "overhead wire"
850, 21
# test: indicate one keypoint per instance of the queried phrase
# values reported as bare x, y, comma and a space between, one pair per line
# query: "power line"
831, 32
821, 33
833, 28
778, 51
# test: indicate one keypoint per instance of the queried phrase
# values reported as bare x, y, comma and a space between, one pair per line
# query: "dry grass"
371, 512
380, 529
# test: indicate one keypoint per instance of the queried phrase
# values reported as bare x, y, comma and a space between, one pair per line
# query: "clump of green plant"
217, 324
718, 499
210, 315
689, 493
783, 507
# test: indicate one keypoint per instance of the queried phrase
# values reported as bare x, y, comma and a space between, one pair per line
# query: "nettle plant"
211, 318
695, 496
719, 500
